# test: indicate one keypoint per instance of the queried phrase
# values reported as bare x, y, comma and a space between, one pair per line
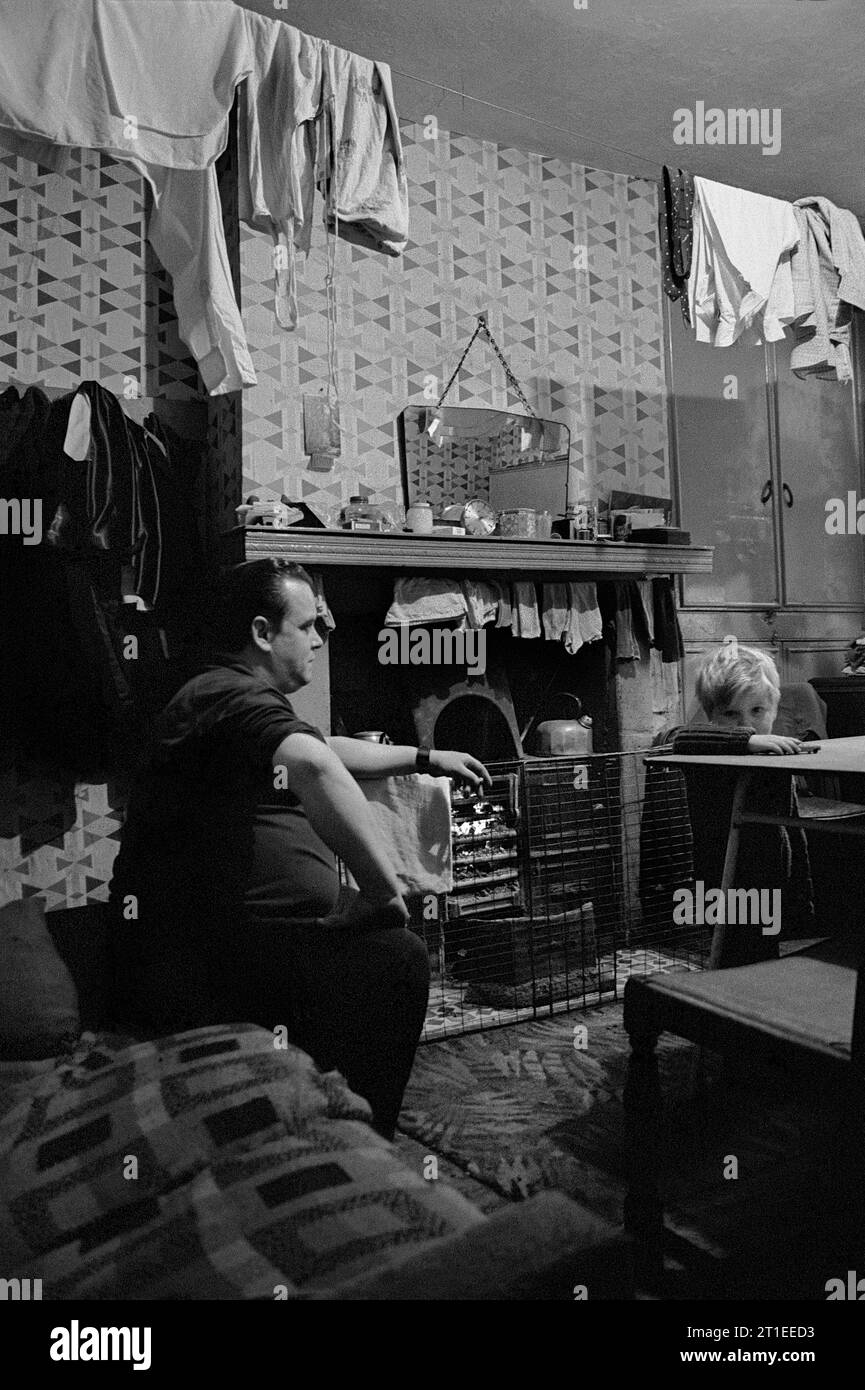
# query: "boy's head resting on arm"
738, 686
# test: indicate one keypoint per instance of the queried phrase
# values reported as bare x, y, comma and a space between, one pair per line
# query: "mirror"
448, 454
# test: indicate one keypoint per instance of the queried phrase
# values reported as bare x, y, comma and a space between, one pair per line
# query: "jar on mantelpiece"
419, 518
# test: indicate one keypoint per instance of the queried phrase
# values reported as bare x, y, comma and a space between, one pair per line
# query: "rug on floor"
539, 1105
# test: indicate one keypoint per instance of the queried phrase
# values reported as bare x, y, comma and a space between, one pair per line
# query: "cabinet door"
818, 448
721, 418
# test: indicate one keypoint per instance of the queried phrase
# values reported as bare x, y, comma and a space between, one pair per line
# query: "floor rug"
539, 1105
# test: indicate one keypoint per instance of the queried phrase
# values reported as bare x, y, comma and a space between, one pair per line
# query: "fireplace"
546, 912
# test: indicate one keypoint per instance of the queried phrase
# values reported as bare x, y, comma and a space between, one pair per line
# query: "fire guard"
563, 880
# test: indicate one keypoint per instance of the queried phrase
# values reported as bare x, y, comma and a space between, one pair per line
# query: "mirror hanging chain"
483, 327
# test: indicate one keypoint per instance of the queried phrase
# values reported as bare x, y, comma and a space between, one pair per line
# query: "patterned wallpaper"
81, 295
492, 229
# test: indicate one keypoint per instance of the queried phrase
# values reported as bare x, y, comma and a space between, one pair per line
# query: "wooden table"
830, 756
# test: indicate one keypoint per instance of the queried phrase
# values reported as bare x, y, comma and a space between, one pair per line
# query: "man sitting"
225, 887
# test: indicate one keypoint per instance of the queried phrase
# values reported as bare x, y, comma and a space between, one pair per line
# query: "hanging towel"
676, 233
482, 602
413, 815
505, 618
583, 600
525, 621
554, 611
739, 240
583, 617
667, 633
424, 600
647, 603
632, 621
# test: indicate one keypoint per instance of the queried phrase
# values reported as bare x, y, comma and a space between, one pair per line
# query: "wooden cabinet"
757, 455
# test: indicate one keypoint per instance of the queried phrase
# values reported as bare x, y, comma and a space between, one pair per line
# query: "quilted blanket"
213, 1164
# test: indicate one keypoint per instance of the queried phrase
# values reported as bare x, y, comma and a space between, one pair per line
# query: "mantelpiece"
643, 705
400, 551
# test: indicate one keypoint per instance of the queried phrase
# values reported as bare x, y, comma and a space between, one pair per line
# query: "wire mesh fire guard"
563, 880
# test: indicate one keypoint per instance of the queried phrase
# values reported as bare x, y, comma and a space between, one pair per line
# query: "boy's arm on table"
711, 741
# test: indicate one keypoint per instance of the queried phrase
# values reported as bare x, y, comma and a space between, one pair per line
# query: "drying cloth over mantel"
525, 621
667, 637
152, 82
413, 815
554, 611
482, 601
584, 617
424, 600
741, 264
633, 622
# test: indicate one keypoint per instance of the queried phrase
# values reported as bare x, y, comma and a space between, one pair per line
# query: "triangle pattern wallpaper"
563, 260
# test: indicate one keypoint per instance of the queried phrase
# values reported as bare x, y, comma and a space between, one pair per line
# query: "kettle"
564, 738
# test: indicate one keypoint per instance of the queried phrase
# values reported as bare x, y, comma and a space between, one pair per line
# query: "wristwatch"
422, 761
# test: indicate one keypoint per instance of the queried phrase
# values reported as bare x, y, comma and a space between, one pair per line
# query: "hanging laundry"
554, 611
277, 147
676, 234
647, 602
633, 624
741, 264
667, 633
828, 277
80, 703
525, 621
423, 600
361, 168
584, 617
505, 618
482, 602
153, 85
171, 555
325, 618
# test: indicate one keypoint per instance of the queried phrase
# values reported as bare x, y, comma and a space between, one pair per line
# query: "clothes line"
742, 261
156, 90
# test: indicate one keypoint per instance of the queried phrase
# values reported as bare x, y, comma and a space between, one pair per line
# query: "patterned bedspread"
212, 1164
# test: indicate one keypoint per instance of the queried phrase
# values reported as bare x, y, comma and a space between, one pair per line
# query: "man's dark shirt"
210, 848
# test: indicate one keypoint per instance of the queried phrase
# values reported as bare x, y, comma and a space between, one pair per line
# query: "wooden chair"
804, 1012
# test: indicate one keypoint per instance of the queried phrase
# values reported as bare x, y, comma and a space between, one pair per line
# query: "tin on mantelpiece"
583, 518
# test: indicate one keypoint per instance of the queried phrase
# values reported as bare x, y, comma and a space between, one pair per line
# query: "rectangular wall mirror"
451, 461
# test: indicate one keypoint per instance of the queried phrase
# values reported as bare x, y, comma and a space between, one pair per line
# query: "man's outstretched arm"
398, 760
338, 812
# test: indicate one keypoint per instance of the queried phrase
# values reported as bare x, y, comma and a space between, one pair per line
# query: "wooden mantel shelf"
401, 551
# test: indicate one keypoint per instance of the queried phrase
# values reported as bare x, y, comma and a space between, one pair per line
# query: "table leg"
728, 879
643, 1212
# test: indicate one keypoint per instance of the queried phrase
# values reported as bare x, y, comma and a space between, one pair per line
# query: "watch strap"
422, 760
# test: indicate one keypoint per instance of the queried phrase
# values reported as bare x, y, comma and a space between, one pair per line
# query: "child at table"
739, 691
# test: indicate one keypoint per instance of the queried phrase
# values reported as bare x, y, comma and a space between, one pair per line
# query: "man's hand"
461, 766
363, 914
775, 743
